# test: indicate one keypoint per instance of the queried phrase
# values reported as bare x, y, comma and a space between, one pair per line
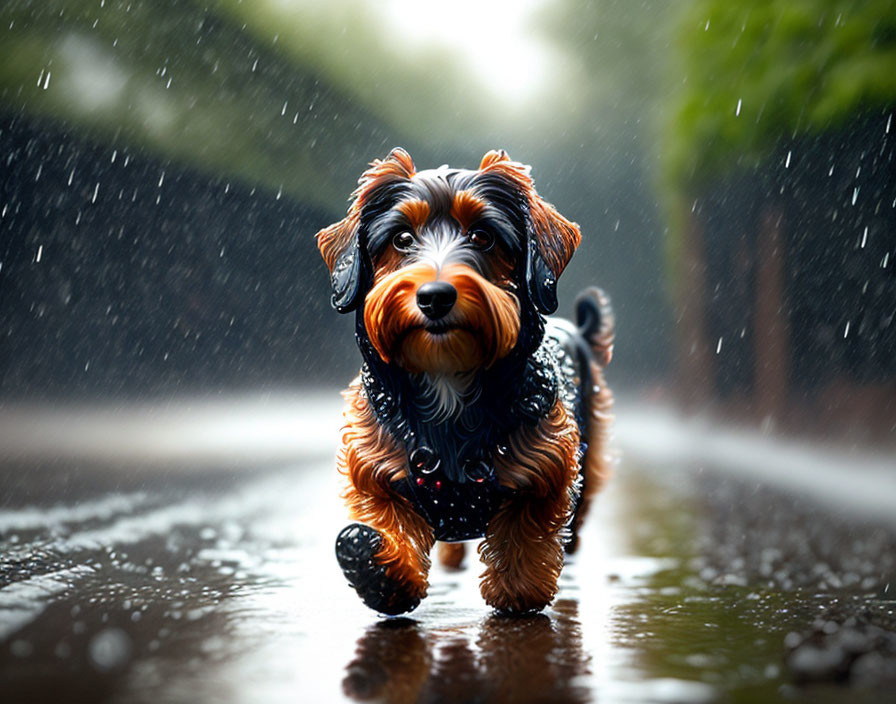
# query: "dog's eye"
403, 241
481, 239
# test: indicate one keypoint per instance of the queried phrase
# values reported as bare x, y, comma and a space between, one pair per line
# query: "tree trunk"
772, 333
695, 362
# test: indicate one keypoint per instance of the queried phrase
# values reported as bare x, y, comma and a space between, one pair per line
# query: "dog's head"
446, 264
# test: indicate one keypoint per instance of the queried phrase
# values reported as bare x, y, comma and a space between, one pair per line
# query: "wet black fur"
485, 422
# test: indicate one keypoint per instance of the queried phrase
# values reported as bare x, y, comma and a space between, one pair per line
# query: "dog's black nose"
436, 298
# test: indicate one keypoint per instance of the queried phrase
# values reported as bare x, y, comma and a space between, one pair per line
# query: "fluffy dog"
473, 415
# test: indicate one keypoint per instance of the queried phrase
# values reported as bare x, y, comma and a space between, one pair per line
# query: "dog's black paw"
356, 546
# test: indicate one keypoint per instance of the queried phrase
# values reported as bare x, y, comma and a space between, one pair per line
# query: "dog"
474, 416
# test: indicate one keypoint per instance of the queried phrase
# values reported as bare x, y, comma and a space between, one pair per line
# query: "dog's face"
444, 262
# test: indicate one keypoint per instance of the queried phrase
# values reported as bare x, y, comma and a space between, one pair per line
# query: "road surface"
185, 553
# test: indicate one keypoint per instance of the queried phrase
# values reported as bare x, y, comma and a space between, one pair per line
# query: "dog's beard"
482, 327
451, 352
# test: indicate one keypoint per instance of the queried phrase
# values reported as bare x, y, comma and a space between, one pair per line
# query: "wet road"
197, 574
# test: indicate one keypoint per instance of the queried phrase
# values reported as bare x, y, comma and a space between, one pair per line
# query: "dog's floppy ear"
551, 238
340, 244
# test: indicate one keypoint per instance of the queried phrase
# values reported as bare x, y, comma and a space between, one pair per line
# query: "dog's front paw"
356, 548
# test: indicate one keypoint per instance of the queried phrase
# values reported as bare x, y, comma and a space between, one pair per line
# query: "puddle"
232, 594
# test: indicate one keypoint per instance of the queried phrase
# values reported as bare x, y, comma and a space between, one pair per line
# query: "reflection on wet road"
164, 584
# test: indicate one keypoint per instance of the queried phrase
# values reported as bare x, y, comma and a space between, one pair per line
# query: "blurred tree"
193, 84
779, 169
243, 103
600, 146
752, 74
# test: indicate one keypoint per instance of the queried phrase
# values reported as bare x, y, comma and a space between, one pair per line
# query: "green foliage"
754, 73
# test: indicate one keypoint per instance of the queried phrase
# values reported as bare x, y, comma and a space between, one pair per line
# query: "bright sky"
497, 39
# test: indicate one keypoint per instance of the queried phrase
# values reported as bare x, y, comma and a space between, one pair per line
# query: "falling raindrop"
110, 649
21, 648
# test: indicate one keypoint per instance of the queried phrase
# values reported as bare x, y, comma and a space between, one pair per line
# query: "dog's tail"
596, 324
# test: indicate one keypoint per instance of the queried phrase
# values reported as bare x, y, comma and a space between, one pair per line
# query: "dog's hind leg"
597, 463
596, 327
451, 555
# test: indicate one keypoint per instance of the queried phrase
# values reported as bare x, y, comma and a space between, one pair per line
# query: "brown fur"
387, 262
486, 320
416, 211
451, 555
598, 463
370, 460
523, 547
466, 208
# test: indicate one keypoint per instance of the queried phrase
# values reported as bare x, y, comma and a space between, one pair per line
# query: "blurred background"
169, 361
166, 164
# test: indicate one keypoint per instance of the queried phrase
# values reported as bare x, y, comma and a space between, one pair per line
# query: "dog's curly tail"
596, 323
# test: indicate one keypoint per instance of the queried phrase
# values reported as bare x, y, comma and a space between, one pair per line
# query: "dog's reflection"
508, 659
